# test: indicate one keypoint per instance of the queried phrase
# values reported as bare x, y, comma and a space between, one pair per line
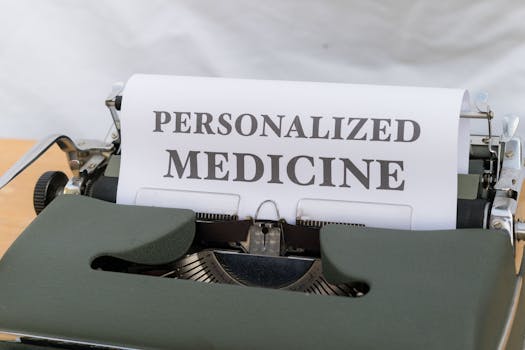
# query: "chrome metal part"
93, 163
486, 215
511, 317
483, 107
111, 104
74, 186
476, 115
502, 214
264, 239
66, 343
510, 125
91, 146
491, 176
319, 223
33, 154
210, 217
508, 185
267, 201
511, 167
484, 112
482, 140
505, 203
77, 154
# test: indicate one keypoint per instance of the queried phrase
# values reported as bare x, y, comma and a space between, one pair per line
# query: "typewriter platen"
309, 258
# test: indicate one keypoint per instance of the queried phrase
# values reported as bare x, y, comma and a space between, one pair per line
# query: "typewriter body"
89, 273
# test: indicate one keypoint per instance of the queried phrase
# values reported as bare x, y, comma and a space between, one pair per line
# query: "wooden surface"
520, 216
16, 199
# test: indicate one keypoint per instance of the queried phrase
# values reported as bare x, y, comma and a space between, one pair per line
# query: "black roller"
48, 187
471, 213
118, 102
104, 188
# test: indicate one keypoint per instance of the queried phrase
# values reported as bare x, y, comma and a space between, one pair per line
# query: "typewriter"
92, 274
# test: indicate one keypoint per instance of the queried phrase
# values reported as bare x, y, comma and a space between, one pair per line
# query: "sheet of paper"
379, 156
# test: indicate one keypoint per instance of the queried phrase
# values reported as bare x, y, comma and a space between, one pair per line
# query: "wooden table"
16, 199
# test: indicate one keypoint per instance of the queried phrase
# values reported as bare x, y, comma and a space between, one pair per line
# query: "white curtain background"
58, 59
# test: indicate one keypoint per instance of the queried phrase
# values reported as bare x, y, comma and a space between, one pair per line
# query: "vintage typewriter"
89, 274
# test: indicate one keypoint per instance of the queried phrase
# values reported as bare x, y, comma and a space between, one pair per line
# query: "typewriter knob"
48, 187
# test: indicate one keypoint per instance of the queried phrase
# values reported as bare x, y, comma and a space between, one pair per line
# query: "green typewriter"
92, 274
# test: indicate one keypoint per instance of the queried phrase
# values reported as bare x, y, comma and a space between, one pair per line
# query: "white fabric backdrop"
58, 59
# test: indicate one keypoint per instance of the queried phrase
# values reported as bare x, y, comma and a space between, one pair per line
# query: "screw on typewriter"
273, 253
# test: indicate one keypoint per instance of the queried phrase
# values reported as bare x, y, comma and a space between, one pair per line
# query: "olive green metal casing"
428, 290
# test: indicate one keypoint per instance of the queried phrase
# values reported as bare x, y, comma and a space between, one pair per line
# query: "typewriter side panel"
516, 339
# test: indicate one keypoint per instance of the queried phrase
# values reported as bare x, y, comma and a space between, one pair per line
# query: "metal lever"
504, 204
510, 125
111, 103
65, 143
482, 105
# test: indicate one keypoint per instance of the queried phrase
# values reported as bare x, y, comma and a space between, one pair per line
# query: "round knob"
48, 187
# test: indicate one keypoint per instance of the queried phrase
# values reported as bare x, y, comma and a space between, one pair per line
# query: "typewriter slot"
266, 254
298, 274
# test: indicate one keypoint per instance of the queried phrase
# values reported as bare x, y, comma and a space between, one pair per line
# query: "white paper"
184, 140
